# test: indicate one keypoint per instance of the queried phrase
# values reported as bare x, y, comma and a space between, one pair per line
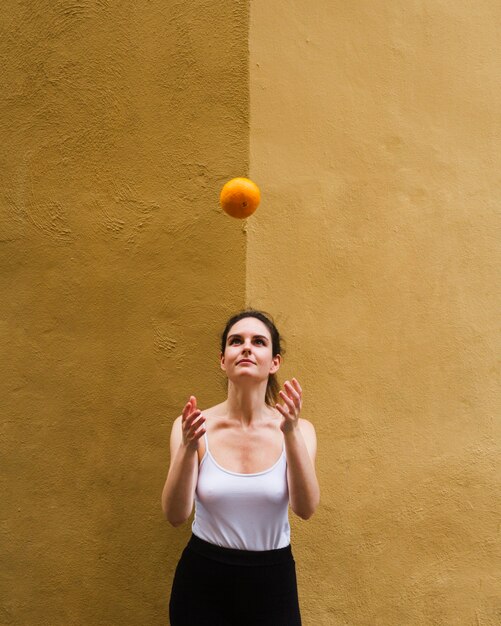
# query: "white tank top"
242, 511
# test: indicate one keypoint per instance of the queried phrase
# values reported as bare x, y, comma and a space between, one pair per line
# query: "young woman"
242, 462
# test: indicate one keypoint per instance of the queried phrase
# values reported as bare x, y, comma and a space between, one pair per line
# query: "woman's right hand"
192, 419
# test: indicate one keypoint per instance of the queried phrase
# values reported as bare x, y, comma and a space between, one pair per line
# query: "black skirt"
216, 586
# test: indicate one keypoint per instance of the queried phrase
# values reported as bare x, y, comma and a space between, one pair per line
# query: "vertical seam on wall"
249, 95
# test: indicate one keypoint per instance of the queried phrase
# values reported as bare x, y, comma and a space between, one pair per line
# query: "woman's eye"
232, 341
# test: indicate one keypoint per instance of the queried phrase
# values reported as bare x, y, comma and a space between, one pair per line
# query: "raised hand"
292, 397
191, 420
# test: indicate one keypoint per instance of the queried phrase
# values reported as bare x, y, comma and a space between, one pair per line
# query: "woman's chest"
247, 453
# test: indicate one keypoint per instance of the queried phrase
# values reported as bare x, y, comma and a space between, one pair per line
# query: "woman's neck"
246, 405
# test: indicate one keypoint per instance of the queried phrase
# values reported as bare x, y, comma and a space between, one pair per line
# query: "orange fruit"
240, 197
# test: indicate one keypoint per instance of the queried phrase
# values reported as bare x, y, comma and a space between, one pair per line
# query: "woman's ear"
275, 364
221, 359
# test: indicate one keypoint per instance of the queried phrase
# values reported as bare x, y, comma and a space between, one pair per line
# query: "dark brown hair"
273, 386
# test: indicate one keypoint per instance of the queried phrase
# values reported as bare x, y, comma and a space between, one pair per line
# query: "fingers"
287, 400
192, 419
197, 436
191, 430
294, 391
189, 407
186, 411
280, 408
286, 409
291, 398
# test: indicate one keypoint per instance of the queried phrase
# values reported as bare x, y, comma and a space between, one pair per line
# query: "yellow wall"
373, 133
119, 122
375, 140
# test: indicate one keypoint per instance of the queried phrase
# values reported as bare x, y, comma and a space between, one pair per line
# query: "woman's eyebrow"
254, 337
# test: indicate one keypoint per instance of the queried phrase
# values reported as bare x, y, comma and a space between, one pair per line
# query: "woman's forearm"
179, 489
304, 491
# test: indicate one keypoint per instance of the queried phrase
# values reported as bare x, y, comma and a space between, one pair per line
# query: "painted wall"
375, 141
374, 137
119, 122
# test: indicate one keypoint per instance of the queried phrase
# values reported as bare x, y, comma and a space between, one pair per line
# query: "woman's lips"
245, 361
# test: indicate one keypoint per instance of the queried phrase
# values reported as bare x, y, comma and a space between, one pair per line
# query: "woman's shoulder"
306, 424
213, 412
307, 429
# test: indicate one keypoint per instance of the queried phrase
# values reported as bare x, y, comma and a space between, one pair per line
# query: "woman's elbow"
305, 514
173, 521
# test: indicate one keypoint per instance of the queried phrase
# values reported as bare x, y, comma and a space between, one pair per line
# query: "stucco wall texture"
375, 139
374, 136
119, 123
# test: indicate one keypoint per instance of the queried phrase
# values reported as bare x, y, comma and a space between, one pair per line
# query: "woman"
237, 568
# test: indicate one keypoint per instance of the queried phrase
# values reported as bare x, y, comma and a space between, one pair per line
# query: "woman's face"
248, 351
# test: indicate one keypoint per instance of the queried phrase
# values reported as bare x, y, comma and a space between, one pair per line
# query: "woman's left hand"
292, 407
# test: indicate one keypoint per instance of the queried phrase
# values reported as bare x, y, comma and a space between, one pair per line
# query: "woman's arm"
304, 491
179, 489
301, 448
